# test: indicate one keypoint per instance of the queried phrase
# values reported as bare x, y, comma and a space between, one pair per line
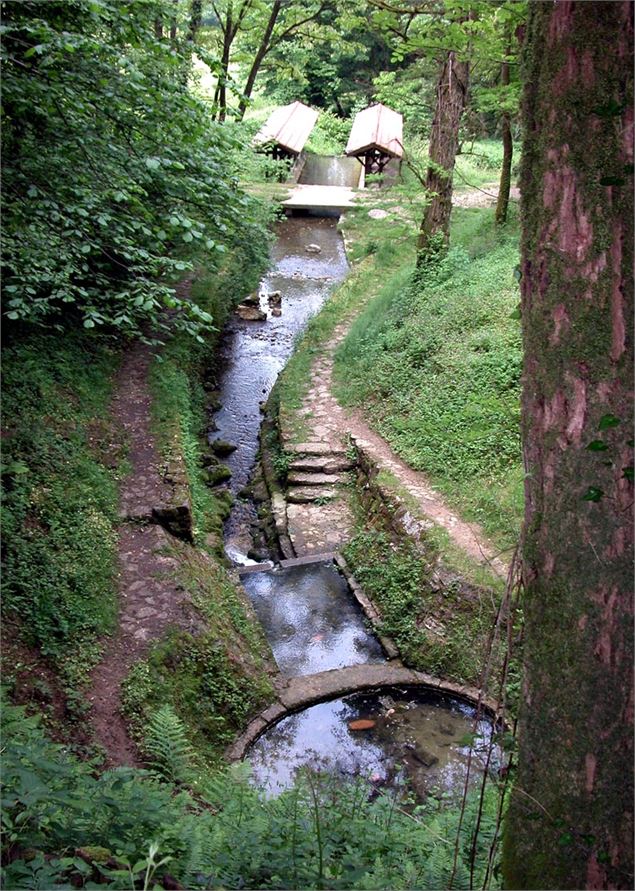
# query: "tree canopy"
113, 171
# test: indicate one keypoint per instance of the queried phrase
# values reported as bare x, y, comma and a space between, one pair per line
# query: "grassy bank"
213, 681
61, 462
434, 362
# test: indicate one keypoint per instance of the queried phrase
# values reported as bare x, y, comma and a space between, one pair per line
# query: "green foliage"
213, 681
167, 745
112, 170
60, 497
410, 91
435, 359
401, 583
330, 134
66, 826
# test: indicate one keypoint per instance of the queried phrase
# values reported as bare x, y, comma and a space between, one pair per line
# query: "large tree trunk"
452, 87
502, 203
263, 49
570, 819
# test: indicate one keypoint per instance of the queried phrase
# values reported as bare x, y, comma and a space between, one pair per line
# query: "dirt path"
329, 424
151, 600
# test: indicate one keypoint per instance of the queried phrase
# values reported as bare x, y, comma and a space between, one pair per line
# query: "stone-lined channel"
313, 624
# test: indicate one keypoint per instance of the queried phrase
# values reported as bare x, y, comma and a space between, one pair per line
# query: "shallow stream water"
311, 620
254, 353
419, 740
411, 738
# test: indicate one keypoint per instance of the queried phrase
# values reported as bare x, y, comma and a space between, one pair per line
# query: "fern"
167, 745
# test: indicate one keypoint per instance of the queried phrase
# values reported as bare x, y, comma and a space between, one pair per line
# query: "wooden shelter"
287, 130
376, 137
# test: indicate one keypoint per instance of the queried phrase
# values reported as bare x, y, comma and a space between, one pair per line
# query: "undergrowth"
66, 825
179, 405
440, 627
59, 470
216, 679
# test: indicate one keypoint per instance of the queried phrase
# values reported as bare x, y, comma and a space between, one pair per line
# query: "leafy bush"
330, 134
401, 584
67, 826
112, 170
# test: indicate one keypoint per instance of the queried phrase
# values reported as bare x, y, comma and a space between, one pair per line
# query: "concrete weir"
295, 694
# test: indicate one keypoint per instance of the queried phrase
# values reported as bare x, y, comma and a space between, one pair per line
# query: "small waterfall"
330, 170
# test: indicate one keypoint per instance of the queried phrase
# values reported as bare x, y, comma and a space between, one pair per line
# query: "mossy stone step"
308, 494
318, 464
305, 449
312, 479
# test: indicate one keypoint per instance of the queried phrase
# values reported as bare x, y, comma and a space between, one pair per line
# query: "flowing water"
324, 170
311, 620
254, 353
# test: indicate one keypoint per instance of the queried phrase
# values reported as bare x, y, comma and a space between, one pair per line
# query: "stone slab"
315, 448
308, 494
327, 557
298, 478
317, 464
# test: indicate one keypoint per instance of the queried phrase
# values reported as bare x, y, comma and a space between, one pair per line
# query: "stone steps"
319, 464
308, 494
308, 449
297, 478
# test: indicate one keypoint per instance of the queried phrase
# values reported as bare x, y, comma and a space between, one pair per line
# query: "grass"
434, 362
59, 474
442, 630
214, 680
351, 296
455, 558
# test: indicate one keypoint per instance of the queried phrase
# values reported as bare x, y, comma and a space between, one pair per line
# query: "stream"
254, 353
408, 738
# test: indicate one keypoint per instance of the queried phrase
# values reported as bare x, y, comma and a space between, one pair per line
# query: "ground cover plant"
61, 461
214, 680
435, 358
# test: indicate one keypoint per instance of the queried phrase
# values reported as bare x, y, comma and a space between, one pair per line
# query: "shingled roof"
377, 127
289, 126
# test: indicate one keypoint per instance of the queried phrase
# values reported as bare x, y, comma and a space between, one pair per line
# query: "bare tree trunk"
263, 49
196, 18
173, 25
502, 203
158, 29
570, 820
452, 88
220, 96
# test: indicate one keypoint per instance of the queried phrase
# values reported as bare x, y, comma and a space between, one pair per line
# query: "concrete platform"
320, 198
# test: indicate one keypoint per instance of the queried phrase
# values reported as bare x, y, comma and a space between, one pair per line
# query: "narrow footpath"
150, 600
327, 428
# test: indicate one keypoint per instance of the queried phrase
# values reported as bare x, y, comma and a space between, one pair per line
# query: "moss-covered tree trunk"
502, 203
452, 88
570, 820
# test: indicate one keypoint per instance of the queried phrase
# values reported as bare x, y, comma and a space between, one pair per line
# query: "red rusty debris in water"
361, 724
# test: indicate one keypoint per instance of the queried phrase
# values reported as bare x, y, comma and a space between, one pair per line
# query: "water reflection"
419, 740
254, 353
311, 620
